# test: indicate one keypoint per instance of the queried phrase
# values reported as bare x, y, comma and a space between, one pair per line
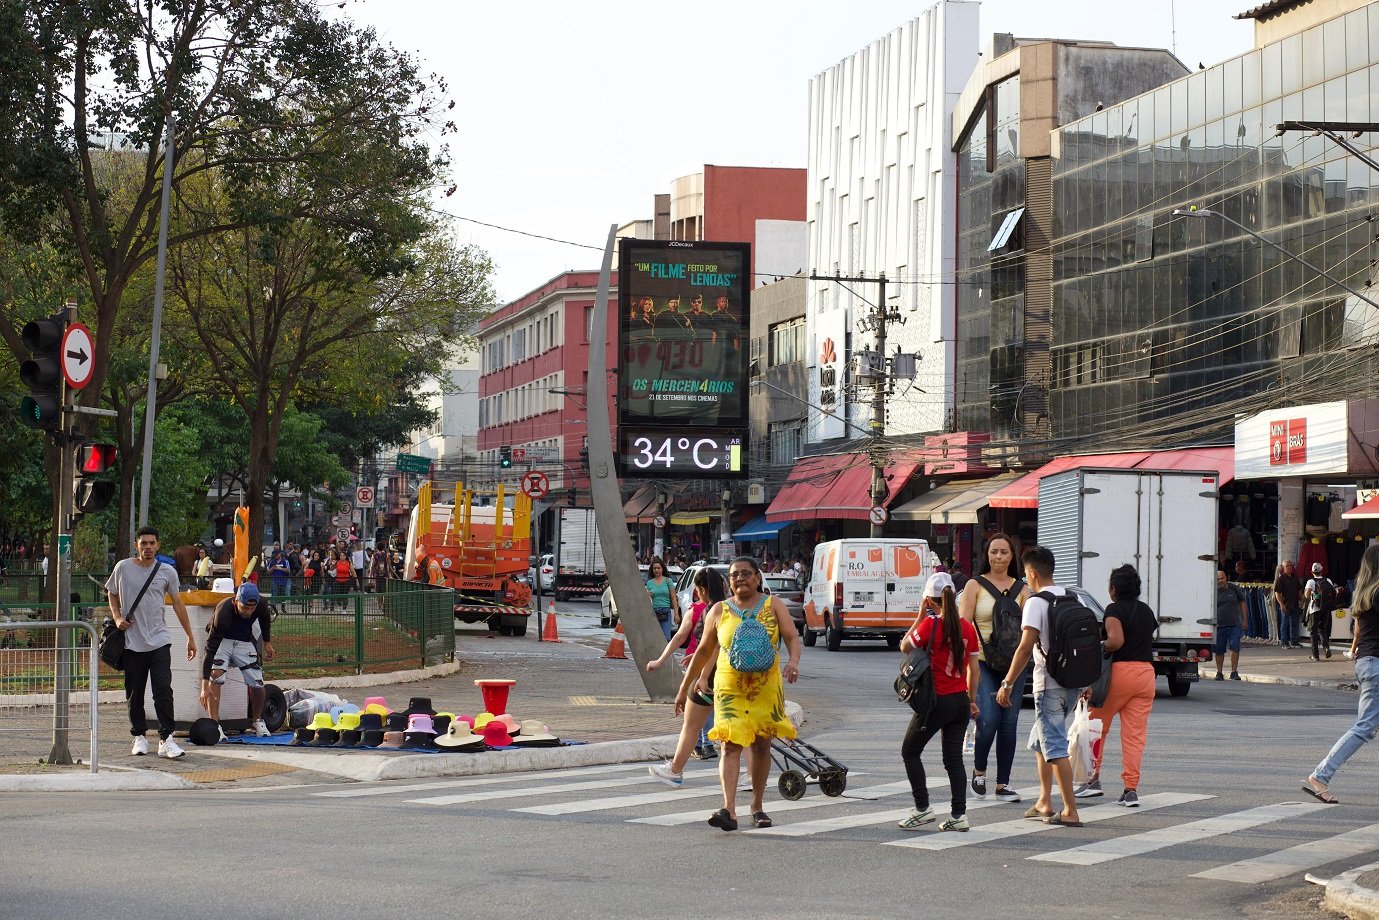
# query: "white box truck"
1163, 522
580, 571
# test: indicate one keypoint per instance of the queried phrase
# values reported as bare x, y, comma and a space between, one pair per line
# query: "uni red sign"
1288, 442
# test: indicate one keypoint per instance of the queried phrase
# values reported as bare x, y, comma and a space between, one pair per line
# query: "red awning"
1024, 492
1369, 509
835, 486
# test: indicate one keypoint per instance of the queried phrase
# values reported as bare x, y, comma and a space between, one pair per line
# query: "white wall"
881, 186
781, 248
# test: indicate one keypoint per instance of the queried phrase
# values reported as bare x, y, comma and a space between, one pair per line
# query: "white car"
608, 608
684, 587
547, 568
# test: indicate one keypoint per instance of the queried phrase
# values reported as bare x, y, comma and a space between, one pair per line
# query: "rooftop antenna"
1173, 25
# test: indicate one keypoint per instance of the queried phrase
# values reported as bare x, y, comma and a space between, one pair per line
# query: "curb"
1298, 682
121, 781
1346, 896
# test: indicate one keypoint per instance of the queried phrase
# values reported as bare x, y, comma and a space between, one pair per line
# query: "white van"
866, 589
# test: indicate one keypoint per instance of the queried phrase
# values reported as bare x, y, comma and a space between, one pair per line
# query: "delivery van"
866, 589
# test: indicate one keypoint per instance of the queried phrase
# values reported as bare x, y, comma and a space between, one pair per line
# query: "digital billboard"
683, 333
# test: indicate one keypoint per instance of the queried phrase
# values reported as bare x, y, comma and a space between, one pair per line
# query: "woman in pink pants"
1129, 629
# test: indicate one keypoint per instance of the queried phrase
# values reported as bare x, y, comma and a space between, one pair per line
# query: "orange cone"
616, 646
550, 634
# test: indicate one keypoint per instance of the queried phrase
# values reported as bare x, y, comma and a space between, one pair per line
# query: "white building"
881, 185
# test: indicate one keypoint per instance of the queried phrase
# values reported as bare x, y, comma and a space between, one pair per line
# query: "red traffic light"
95, 458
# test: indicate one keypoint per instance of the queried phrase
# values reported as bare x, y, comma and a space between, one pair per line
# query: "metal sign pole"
61, 569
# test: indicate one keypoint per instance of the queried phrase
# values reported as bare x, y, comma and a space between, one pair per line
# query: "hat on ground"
337, 711
481, 720
420, 723
370, 722
508, 721
322, 720
391, 740
349, 737
325, 737
248, 593
460, 738
441, 722
420, 704
204, 732
379, 701
303, 736
1316, 568
347, 720
496, 734
372, 737
412, 741
467, 720
397, 721
536, 734
936, 584
377, 709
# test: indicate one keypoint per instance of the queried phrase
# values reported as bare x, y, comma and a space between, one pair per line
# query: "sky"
572, 116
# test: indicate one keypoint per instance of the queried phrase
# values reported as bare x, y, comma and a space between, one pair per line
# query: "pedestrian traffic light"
42, 373
505, 457
89, 494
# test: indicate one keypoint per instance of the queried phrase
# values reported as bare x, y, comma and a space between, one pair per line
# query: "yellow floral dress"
747, 706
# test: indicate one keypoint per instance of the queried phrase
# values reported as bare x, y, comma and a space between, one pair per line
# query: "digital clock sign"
711, 454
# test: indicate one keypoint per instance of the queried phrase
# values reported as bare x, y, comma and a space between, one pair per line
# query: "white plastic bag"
1080, 743
969, 741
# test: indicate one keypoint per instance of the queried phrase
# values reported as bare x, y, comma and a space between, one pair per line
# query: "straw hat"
536, 734
460, 738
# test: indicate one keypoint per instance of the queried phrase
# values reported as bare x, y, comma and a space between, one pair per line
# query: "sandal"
1059, 821
761, 819
722, 820
1035, 813
1321, 795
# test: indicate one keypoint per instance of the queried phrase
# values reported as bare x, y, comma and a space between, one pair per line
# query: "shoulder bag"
112, 637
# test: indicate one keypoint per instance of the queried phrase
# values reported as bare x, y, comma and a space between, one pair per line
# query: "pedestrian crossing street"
626, 791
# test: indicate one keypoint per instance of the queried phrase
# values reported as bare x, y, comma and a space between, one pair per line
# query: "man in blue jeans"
1230, 619
1053, 704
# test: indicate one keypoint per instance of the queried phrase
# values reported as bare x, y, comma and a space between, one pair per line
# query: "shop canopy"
758, 528
1369, 509
836, 486
641, 507
957, 502
1024, 492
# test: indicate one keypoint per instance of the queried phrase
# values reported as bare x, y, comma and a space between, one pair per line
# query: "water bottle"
969, 741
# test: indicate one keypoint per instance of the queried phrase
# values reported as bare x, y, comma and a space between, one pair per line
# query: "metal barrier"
35, 673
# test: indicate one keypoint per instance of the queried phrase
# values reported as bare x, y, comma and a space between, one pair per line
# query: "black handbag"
112, 637
915, 682
1102, 687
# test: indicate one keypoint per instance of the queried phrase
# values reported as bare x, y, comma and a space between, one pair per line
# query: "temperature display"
698, 454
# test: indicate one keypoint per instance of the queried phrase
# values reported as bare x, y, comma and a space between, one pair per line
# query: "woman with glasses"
748, 706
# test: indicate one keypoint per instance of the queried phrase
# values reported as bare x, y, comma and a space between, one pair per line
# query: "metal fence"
36, 725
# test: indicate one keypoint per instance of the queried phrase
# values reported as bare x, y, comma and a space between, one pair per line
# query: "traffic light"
584, 456
571, 497
42, 373
505, 457
90, 494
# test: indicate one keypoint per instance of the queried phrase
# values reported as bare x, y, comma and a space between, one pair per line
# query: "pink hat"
420, 722
496, 734
378, 701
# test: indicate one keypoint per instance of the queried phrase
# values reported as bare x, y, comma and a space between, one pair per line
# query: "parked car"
684, 588
608, 607
786, 590
547, 568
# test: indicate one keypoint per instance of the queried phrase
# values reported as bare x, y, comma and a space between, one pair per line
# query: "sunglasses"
741, 574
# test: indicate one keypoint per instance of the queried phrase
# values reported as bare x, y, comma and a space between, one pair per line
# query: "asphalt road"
1224, 832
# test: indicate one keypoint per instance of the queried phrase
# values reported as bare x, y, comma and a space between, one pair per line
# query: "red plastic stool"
495, 694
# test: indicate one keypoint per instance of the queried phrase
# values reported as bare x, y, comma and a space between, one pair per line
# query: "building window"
787, 442
788, 342
588, 324
519, 345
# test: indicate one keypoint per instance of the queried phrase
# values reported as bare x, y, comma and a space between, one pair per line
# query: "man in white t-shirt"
1053, 704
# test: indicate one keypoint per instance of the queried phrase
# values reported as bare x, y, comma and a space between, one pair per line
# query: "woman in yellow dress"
748, 707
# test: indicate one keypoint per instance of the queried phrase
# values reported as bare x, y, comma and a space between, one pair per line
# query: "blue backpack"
752, 650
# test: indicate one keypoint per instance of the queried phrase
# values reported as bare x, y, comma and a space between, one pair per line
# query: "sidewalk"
579, 694
1263, 663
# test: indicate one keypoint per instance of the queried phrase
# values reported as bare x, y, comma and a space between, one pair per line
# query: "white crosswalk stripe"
823, 825
1138, 844
1024, 826
1272, 866
530, 791
488, 779
816, 801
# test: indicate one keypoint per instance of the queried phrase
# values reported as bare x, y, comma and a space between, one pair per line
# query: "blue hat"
248, 593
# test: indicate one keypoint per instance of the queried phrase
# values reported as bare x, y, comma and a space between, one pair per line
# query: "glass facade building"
1165, 326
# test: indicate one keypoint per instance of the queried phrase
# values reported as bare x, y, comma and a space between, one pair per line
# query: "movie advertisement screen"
683, 333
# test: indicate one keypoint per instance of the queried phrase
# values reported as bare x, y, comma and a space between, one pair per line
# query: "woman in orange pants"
1129, 629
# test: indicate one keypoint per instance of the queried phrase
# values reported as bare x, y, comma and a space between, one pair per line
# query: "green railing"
406, 625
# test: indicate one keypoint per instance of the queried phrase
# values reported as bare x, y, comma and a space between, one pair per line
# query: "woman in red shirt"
953, 661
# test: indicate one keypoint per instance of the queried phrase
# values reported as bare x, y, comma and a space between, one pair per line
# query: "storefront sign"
1295, 441
826, 376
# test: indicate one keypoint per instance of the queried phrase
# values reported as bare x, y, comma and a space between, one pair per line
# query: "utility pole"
874, 322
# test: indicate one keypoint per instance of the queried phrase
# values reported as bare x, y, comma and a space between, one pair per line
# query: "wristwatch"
1006, 685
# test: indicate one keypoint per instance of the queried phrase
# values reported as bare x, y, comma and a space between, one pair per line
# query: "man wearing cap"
231, 645
1319, 610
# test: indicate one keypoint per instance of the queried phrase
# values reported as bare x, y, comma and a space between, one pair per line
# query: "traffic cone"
550, 634
616, 646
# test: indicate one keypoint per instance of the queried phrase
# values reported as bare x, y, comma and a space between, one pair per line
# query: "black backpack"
999, 647
1074, 642
915, 682
1325, 595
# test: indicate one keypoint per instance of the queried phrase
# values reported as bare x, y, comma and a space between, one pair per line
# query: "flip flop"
1059, 821
1324, 796
1035, 813
722, 820
761, 819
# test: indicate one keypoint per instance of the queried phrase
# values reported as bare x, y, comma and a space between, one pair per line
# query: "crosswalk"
868, 811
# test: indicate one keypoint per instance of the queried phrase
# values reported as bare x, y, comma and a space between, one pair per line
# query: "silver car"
786, 590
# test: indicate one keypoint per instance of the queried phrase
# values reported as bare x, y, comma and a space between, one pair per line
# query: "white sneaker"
955, 824
917, 819
744, 782
1090, 790
260, 729
665, 774
140, 747
169, 749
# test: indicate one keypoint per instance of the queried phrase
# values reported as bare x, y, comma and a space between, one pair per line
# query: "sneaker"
1314, 658
744, 782
169, 749
1328, 653
665, 774
260, 729
979, 785
222, 734
1129, 798
917, 819
1090, 790
955, 824
140, 747
1235, 675
1006, 794
708, 752
1220, 676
